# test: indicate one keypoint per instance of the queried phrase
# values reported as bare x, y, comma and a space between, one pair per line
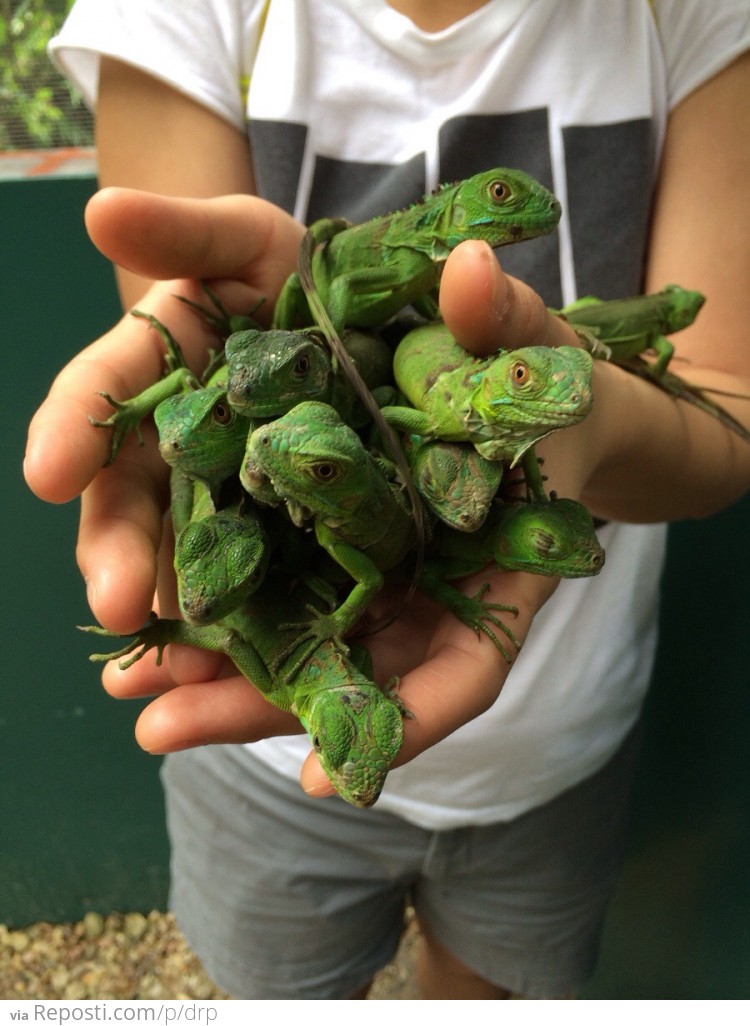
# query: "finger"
225, 237
487, 309
143, 679
64, 452
227, 710
119, 536
150, 677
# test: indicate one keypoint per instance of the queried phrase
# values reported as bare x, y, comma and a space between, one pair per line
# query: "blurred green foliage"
38, 108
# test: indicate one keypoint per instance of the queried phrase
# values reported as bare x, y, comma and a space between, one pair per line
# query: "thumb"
486, 309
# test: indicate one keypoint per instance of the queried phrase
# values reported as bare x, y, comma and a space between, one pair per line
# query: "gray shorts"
286, 897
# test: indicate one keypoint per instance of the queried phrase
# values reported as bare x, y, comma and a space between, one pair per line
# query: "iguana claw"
315, 632
474, 611
138, 645
126, 418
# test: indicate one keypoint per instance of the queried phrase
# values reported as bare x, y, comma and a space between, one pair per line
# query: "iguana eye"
325, 471
222, 414
316, 742
499, 191
302, 366
519, 373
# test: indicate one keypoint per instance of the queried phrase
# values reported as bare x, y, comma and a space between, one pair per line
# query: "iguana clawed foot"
390, 690
127, 417
156, 634
474, 611
310, 635
478, 614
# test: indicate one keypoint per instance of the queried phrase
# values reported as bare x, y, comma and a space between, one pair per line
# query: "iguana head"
500, 206
356, 731
555, 538
312, 458
522, 395
201, 435
270, 372
683, 307
456, 483
220, 560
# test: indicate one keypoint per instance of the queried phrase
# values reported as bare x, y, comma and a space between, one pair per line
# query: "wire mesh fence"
39, 109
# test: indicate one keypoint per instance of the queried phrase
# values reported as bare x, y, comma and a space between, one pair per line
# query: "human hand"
250, 247
448, 674
247, 246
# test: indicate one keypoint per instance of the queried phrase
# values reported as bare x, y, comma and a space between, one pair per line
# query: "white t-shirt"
352, 111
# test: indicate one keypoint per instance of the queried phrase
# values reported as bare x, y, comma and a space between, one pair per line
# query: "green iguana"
202, 436
269, 372
503, 404
354, 726
362, 275
629, 327
178, 379
366, 273
555, 538
622, 330
457, 485
321, 470
220, 560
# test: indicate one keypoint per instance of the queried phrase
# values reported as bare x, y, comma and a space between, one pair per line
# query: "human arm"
641, 456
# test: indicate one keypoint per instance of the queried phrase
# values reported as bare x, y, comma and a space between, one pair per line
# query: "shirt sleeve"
202, 48
699, 39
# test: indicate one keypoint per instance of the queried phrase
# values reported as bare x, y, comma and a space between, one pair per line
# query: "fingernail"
91, 594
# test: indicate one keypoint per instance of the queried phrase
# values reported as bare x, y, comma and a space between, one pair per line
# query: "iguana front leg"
158, 633
129, 413
292, 309
366, 296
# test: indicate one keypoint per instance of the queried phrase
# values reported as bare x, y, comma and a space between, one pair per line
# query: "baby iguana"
202, 436
355, 728
629, 327
220, 560
269, 372
622, 330
555, 538
130, 413
457, 485
320, 469
503, 404
366, 273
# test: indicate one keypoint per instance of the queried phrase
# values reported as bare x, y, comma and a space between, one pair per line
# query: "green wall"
80, 805
680, 923
81, 819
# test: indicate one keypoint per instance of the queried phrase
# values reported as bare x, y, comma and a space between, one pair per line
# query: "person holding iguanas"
511, 781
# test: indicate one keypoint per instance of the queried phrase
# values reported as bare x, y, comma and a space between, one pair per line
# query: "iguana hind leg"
474, 612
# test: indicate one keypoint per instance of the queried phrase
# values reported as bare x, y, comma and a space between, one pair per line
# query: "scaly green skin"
129, 413
503, 404
630, 327
623, 329
356, 728
269, 372
220, 560
366, 273
457, 484
201, 435
555, 538
319, 467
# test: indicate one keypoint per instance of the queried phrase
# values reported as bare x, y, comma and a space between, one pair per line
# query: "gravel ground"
135, 956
